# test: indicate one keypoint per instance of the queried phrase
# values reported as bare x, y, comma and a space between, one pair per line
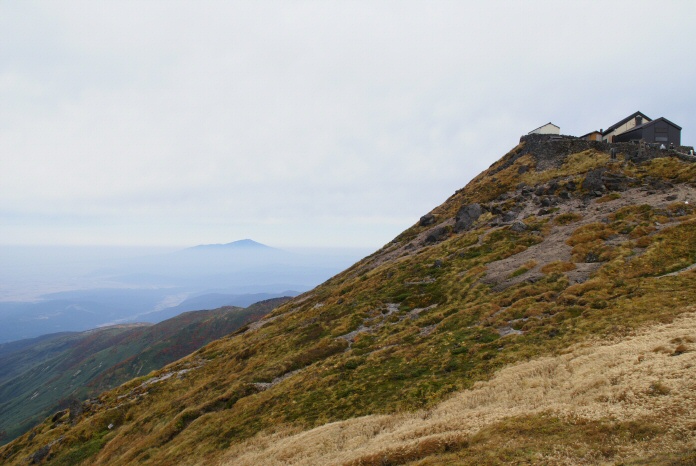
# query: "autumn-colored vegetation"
598, 402
62, 371
420, 322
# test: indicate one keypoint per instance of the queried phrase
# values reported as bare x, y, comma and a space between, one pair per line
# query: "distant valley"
46, 374
88, 309
100, 291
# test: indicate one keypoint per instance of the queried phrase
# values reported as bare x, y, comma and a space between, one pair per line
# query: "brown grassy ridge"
63, 371
407, 327
616, 400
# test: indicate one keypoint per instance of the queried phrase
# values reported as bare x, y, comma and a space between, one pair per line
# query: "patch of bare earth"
554, 248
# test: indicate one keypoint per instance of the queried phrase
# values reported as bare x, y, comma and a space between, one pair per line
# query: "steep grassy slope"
599, 401
19, 356
54, 373
50, 371
553, 245
180, 336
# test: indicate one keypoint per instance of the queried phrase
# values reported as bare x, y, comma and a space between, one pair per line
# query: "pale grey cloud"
302, 123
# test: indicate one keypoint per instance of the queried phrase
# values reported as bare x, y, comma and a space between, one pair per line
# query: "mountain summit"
542, 314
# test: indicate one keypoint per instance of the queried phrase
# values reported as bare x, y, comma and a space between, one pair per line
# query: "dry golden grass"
575, 164
623, 382
415, 322
565, 219
558, 266
526, 267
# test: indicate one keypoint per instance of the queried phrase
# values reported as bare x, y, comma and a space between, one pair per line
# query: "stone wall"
551, 150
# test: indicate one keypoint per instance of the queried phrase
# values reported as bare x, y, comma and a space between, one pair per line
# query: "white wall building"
630, 122
548, 128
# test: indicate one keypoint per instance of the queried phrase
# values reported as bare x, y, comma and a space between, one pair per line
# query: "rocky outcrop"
599, 180
426, 220
437, 234
466, 217
616, 181
593, 181
518, 227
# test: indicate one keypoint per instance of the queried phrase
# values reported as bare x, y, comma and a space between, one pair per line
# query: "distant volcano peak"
242, 244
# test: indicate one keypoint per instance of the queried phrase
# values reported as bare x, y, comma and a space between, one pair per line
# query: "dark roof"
644, 125
668, 122
630, 117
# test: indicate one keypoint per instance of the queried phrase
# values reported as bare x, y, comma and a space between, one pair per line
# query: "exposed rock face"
657, 184
593, 181
40, 454
616, 182
548, 201
518, 226
426, 220
509, 216
436, 235
600, 180
466, 217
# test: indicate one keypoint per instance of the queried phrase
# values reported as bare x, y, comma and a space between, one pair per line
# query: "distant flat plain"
48, 289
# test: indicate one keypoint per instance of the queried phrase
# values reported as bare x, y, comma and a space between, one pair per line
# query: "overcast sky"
303, 123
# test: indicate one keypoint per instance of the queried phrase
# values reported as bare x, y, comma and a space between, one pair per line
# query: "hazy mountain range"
150, 287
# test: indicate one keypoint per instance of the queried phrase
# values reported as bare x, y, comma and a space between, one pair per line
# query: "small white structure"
548, 128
